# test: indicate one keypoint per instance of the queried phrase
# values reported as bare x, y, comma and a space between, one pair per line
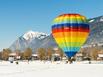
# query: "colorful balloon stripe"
72, 48
71, 44
72, 20
70, 31
70, 25
71, 39
68, 34
70, 54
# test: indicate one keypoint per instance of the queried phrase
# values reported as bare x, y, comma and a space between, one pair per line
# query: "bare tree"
5, 53
49, 53
0, 55
41, 54
61, 53
94, 53
27, 53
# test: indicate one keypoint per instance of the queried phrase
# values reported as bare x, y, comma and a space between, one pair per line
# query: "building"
34, 57
56, 57
100, 55
14, 55
79, 57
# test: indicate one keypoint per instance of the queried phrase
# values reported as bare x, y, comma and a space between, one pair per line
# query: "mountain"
30, 35
33, 40
96, 34
37, 40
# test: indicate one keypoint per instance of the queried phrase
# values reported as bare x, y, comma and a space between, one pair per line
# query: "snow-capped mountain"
30, 35
33, 40
96, 34
37, 40
96, 19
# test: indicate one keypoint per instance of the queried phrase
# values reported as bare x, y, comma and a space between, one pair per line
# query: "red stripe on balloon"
55, 30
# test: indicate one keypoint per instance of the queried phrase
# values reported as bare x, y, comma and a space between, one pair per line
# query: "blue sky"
20, 16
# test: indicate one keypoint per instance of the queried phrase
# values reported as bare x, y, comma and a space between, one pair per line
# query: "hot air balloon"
70, 32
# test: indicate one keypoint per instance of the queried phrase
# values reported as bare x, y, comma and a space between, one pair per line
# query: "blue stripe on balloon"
73, 49
70, 24
70, 54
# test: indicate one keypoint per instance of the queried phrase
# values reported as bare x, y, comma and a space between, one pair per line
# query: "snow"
48, 69
91, 20
100, 55
101, 19
31, 35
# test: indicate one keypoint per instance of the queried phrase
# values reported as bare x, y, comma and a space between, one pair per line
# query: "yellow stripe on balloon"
60, 40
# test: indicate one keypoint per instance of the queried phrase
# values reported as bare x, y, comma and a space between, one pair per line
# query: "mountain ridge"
95, 36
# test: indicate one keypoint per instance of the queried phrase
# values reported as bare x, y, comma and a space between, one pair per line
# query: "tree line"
46, 53
43, 53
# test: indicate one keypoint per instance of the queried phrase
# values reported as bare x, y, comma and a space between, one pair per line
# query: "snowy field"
48, 69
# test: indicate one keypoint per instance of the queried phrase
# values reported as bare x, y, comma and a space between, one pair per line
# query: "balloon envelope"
70, 31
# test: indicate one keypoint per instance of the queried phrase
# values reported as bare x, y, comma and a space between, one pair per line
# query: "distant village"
93, 52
